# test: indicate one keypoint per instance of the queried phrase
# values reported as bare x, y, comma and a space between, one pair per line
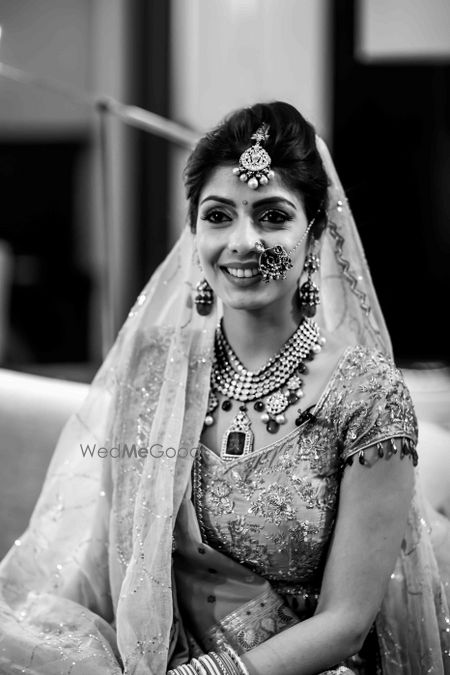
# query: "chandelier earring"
309, 295
204, 297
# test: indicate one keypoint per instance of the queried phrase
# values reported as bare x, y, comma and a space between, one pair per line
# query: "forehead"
223, 183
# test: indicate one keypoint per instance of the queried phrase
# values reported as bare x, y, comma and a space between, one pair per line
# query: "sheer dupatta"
89, 587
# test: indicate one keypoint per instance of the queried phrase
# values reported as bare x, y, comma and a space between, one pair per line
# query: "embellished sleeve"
377, 411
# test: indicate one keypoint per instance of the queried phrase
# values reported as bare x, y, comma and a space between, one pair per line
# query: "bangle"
225, 663
183, 669
223, 666
208, 662
187, 669
198, 667
229, 663
238, 662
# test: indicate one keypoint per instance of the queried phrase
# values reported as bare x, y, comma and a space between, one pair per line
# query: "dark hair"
291, 145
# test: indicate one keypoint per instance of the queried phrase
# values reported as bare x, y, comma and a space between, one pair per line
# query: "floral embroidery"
242, 542
303, 532
218, 498
275, 511
274, 504
305, 489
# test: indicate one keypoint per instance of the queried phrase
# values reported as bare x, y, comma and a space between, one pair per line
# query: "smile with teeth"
241, 273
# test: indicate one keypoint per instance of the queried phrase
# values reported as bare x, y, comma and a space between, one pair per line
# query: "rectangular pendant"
238, 439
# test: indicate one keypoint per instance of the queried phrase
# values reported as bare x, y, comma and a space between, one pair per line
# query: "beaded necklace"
273, 388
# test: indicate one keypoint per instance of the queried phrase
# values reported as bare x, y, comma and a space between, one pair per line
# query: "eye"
275, 216
216, 216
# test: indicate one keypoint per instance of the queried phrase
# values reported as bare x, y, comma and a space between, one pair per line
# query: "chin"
245, 306
247, 303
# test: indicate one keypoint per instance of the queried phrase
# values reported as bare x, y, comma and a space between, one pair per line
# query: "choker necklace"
273, 388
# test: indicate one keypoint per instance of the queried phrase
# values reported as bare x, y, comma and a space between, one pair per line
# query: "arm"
373, 508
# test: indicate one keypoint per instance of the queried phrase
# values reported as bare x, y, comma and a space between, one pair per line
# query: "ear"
315, 244
318, 224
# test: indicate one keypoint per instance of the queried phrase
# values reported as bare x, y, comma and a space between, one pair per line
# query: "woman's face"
231, 218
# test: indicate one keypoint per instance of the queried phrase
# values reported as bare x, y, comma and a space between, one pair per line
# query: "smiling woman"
295, 540
227, 231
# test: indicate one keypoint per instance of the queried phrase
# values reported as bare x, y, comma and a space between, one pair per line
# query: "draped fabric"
89, 587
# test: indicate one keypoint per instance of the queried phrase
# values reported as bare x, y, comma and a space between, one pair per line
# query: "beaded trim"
407, 448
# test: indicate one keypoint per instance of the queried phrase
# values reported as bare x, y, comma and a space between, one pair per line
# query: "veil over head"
89, 585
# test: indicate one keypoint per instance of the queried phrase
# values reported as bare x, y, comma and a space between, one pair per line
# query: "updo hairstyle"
291, 146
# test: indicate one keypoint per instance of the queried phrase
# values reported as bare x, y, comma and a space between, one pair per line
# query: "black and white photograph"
224, 344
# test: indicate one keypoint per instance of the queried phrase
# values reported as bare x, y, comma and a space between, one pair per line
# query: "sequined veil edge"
88, 563
413, 625
82, 549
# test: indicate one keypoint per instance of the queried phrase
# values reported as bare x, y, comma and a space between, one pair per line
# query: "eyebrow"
259, 202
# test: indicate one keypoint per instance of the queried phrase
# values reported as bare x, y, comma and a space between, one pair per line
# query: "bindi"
245, 202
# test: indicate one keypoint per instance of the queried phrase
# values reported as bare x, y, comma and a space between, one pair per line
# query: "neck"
256, 336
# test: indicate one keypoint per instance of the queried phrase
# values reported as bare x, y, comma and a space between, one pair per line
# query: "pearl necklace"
274, 387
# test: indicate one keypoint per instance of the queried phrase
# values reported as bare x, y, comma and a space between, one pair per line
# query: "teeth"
238, 272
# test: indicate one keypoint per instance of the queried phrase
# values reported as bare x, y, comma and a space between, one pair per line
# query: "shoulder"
370, 375
366, 373
373, 399
362, 362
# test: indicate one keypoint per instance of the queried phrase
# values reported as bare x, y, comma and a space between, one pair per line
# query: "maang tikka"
254, 163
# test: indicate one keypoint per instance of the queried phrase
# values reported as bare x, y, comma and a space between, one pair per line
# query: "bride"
269, 518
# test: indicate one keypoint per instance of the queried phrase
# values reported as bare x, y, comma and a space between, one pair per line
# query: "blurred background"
373, 77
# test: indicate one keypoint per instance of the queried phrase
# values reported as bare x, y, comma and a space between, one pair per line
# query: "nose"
243, 236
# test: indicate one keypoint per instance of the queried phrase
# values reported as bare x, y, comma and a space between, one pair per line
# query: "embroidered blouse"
274, 510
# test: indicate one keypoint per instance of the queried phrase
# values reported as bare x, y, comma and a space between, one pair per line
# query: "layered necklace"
272, 389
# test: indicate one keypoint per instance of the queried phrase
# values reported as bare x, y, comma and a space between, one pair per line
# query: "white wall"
232, 53
404, 29
52, 40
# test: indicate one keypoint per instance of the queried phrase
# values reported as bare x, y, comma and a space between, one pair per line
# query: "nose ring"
273, 262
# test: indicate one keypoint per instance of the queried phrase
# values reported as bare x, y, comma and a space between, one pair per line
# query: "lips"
242, 272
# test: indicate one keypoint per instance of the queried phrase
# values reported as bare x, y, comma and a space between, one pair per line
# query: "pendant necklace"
272, 389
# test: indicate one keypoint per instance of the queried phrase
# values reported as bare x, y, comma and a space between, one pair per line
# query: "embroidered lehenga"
138, 561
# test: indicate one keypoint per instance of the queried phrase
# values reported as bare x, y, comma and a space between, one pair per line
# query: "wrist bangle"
187, 669
198, 667
230, 664
213, 658
223, 666
238, 661
183, 669
209, 664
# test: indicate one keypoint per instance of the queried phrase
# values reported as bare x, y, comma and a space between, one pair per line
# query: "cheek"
211, 240
208, 249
